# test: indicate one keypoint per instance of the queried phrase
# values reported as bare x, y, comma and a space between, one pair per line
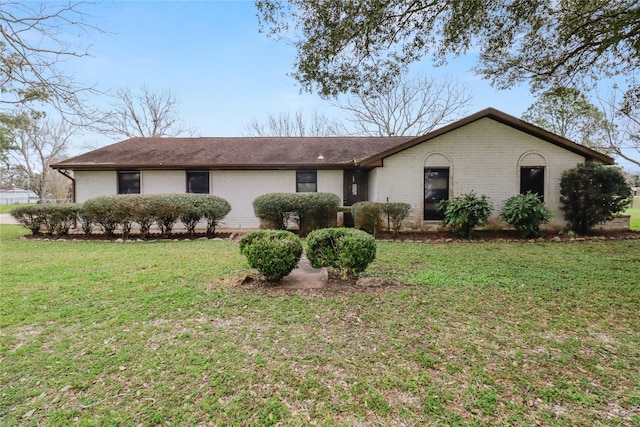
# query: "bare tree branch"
144, 115
284, 124
408, 106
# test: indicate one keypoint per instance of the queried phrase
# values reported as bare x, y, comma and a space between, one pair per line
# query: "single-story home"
489, 153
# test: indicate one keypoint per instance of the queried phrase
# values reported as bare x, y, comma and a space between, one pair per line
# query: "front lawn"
162, 333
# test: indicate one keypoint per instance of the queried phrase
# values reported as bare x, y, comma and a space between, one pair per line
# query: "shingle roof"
232, 153
284, 153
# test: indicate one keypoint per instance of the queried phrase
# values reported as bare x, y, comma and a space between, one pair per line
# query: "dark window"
306, 181
532, 179
436, 188
128, 182
198, 182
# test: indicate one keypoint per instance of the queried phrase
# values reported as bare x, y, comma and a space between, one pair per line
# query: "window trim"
309, 172
120, 173
197, 171
437, 216
542, 185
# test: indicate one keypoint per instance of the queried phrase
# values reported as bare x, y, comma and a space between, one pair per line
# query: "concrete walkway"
305, 277
7, 219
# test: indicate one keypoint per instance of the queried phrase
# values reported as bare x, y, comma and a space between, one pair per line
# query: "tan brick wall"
484, 157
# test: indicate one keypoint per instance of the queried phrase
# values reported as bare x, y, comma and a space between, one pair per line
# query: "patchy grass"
96, 333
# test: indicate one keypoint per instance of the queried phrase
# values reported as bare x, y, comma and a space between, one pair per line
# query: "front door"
354, 191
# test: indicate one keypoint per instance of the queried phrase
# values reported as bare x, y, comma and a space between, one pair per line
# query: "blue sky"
223, 72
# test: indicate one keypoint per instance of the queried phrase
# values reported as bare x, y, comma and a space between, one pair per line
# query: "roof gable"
506, 119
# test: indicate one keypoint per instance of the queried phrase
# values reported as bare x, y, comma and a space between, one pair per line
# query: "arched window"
532, 174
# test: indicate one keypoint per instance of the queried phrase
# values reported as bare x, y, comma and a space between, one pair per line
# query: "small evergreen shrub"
366, 216
275, 209
591, 194
85, 220
31, 216
348, 250
463, 214
102, 210
526, 213
396, 213
167, 209
274, 253
214, 209
48, 218
308, 210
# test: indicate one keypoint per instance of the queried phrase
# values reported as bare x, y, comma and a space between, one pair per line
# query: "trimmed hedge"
309, 210
47, 218
274, 253
348, 250
368, 215
123, 210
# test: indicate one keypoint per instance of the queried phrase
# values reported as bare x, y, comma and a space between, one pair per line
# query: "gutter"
73, 184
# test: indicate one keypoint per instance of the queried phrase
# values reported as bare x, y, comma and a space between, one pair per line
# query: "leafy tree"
567, 112
592, 194
145, 114
345, 45
406, 106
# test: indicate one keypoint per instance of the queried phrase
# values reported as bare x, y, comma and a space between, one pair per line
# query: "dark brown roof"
233, 153
284, 153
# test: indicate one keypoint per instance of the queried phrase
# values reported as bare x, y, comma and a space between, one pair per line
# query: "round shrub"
348, 250
50, 218
214, 209
526, 213
274, 253
102, 210
31, 216
366, 216
464, 213
396, 213
308, 210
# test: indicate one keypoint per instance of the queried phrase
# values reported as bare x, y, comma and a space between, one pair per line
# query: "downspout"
73, 184
73, 193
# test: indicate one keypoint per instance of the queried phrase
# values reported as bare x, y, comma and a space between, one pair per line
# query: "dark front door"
355, 190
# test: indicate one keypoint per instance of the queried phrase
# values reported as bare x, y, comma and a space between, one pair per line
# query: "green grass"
634, 211
5, 209
475, 334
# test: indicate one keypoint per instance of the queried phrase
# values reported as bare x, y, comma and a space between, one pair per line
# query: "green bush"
348, 250
86, 220
102, 210
396, 213
463, 214
274, 253
592, 194
214, 209
366, 216
526, 213
31, 216
308, 210
48, 218
59, 218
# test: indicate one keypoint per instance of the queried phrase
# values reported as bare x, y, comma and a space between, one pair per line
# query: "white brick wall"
90, 184
485, 158
162, 182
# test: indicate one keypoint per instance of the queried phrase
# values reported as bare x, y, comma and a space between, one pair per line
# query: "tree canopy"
343, 45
